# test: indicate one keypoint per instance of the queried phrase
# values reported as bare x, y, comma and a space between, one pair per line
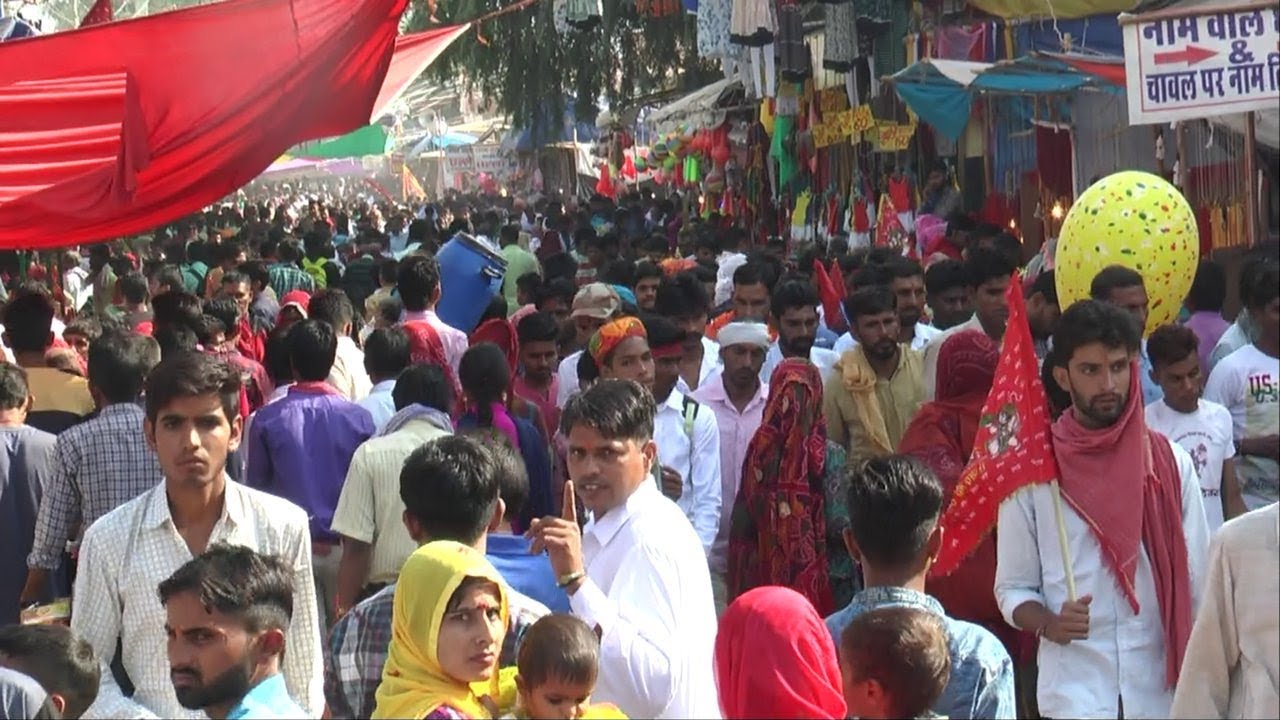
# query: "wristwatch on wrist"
564, 581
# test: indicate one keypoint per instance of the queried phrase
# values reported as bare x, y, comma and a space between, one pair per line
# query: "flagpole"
1062, 539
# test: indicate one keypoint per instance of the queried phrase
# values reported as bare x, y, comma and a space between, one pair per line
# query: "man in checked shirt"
99, 464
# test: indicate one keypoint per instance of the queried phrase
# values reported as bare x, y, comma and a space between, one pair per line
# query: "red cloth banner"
118, 128
101, 12
1012, 448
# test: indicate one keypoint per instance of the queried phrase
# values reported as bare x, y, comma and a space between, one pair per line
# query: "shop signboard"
1217, 61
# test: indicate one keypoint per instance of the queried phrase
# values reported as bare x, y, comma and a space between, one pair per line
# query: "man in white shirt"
635, 572
1115, 616
1201, 427
794, 306
737, 397
192, 423
1247, 382
348, 376
593, 306
386, 355
1233, 656
905, 279
683, 300
418, 283
686, 432
989, 273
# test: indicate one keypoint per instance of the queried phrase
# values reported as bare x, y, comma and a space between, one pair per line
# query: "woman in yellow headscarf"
448, 622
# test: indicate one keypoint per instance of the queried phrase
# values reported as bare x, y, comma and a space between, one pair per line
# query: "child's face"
862, 698
556, 699
78, 342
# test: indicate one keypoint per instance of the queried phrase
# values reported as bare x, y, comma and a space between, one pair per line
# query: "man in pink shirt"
536, 381
418, 282
737, 397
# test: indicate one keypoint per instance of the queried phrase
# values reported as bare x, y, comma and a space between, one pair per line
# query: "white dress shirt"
130, 550
1232, 665
695, 454
453, 340
649, 592
567, 375
1124, 654
736, 431
710, 366
824, 359
929, 376
348, 374
379, 403
923, 334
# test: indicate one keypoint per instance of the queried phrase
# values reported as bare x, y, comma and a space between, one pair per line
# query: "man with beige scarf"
876, 387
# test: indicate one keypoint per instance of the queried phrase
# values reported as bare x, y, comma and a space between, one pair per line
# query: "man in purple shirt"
1208, 292
301, 445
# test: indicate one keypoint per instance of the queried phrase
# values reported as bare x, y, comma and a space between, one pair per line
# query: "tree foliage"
518, 61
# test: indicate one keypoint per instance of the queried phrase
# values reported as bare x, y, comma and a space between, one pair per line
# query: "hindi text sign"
1198, 66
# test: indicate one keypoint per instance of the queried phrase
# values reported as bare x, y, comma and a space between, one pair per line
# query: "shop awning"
702, 108
1026, 9
940, 92
113, 130
368, 140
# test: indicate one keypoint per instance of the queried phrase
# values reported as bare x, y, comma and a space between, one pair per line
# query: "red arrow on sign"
1190, 55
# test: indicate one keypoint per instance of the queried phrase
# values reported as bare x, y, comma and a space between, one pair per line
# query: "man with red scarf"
1134, 527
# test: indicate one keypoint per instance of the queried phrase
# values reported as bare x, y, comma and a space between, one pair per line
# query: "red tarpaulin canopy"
119, 128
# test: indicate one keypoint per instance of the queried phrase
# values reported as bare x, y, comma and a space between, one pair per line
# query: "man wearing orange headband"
621, 350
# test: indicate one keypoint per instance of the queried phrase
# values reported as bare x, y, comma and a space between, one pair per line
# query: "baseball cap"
596, 300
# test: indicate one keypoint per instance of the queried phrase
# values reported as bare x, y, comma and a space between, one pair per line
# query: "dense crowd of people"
675, 471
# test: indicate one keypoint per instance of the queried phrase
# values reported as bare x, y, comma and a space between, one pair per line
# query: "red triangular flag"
1013, 447
101, 12
889, 230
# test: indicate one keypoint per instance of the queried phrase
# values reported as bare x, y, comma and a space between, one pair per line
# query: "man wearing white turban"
737, 397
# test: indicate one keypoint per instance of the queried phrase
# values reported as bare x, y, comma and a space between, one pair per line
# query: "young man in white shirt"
192, 424
1135, 532
1247, 382
1201, 427
687, 434
737, 397
348, 375
636, 572
794, 305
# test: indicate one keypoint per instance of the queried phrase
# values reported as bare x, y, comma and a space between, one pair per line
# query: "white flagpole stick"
1062, 540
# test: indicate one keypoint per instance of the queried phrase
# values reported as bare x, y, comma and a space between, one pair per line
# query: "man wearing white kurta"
1135, 531
1233, 658
636, 572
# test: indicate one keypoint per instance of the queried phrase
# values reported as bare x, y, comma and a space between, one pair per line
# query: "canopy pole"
1251, 179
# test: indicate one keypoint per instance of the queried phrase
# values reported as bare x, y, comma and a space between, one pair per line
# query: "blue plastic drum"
471, 273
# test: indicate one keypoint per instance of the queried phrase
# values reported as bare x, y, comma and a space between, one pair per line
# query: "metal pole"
1251, 179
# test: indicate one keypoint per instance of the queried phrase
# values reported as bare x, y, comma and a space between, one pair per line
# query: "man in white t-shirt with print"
1247, 382
1200, 427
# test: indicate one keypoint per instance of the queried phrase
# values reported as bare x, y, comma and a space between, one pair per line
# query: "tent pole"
1251, 179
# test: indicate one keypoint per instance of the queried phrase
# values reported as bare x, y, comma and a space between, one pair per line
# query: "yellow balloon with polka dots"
1134, 219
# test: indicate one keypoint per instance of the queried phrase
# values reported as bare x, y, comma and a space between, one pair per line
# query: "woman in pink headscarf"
774, 658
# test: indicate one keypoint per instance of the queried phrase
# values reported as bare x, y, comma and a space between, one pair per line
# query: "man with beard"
1133, 523
795, 314
875, 390
227, 612
191, 424
737, 398
905, 279
989, 275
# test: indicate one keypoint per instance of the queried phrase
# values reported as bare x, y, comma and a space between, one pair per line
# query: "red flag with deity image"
1012, 449
890, 231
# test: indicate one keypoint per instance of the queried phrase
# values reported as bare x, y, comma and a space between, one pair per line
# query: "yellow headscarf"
413, 683
859, 379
